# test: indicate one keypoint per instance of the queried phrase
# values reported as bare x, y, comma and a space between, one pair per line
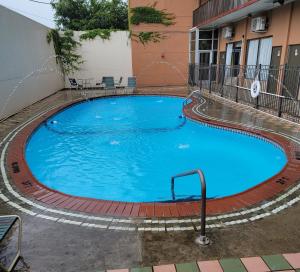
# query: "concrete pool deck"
30, 187
55, 246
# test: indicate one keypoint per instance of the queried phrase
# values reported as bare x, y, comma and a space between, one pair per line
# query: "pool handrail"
202, 239
184, 103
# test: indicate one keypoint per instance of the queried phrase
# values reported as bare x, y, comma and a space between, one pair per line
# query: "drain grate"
27, 183
15, 167
282, 180
297, 155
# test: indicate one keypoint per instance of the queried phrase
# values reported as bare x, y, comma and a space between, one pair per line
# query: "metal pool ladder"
202, 239
184, 103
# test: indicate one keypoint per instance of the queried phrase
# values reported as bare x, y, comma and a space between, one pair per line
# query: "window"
236, 53
205, 44
208, 45
233, 56
233, 53
229, 50
265, 52
192, 46
259, 53
208, 39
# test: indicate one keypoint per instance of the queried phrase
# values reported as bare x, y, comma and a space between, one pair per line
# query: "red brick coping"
29, 186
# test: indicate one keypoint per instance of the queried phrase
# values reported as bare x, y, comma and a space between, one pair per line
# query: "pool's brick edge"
28, 185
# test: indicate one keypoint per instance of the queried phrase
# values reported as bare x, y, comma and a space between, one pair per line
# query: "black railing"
214, 8
202, 239
279, 86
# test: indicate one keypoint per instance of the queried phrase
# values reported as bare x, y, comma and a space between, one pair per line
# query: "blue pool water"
127, 149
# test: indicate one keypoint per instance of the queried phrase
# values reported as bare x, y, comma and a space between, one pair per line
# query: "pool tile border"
29, 186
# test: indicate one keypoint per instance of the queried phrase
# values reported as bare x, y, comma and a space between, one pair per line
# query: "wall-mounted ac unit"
227, 32
259, 24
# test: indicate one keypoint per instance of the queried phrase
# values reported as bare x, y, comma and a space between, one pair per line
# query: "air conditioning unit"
259, 24
227, 32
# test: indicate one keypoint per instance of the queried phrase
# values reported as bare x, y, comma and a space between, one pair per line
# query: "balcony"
213, 9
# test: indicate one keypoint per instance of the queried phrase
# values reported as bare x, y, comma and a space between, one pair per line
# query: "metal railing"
279, 86
18, 254
185, 101
202, 239
214, 8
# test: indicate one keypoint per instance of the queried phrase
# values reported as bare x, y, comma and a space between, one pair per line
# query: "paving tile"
276, 262
285, 270
210, 266
187, 267
232, 265
118, 270
293, 259
255, 264
164, 268
135, 210
142, 269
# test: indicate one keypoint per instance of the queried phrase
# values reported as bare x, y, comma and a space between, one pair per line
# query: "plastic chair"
74, 84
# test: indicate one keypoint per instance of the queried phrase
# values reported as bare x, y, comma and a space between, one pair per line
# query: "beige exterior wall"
23, 50
104, 58
164, 63
284, 28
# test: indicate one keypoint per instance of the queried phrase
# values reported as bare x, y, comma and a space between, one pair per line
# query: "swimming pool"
127, 149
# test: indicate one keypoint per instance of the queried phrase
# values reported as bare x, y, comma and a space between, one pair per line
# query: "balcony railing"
215, 8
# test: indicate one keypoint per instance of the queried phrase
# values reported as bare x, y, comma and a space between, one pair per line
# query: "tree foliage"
104, 34
65, 50
82, 15
147, 37
151, 15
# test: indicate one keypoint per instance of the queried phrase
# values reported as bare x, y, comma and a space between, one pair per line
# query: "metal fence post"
223, 80
257, 102
200, 78
280, 106
209, 77
258, 76
237, 90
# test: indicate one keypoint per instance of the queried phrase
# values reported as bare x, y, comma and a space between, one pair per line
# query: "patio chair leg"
17, 257
18, 254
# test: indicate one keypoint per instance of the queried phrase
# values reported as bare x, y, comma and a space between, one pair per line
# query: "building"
164, 63
250, 38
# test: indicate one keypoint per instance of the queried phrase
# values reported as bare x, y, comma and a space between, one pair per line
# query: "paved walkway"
51, 246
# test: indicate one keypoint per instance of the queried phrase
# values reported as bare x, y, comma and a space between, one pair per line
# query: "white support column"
197, 47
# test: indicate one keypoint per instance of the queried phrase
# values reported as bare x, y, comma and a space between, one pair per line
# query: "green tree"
90, 14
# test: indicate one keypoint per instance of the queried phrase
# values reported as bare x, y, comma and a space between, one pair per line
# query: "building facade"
164, 63
251, 39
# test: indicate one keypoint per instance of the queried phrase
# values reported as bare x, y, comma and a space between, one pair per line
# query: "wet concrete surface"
51, 246
217, 107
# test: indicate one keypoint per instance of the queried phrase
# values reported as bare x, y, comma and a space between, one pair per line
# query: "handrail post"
209, 74
172, 188
280, 107
184, 103
202, 239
